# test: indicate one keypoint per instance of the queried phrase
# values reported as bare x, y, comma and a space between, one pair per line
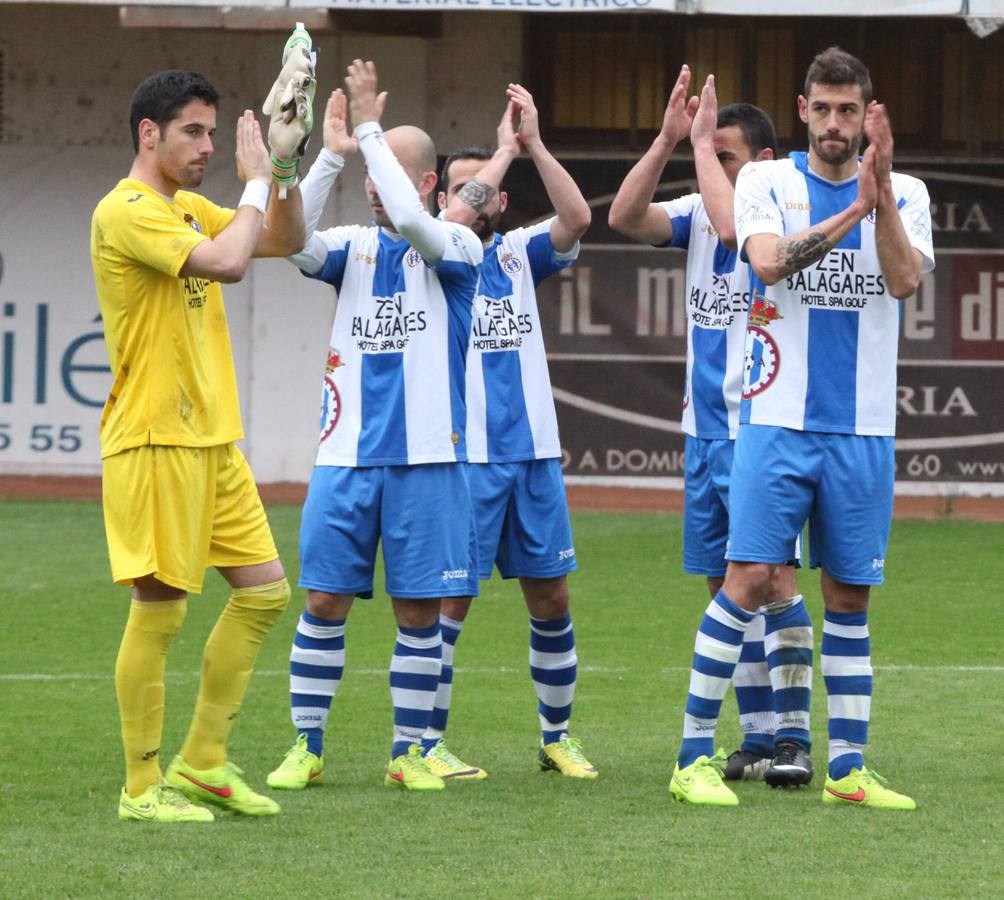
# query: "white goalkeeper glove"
290, 106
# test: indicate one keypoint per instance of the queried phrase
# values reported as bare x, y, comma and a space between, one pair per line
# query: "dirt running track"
603, 499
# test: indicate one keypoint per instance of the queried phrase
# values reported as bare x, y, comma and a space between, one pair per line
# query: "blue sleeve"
333, 270
544, 260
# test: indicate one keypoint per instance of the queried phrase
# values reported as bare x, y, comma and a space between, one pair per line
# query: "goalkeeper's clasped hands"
290, 106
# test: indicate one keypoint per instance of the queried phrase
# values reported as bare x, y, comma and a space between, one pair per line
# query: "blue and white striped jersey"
393, 391
717, 300
822, 343
510, 408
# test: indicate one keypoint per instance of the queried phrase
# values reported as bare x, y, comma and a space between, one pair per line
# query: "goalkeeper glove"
290, 108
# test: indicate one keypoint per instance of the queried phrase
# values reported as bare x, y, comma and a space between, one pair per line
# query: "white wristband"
256, 194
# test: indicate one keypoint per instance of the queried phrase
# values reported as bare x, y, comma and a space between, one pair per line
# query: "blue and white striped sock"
444, 693
415, 668
316, 663
553, 668
788, 642
754, 696
716, 652
847, 671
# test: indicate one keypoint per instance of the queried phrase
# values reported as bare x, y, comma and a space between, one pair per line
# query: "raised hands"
705, 118
529, 128
336, 130
251, 153
365, 103
679, 114
868, 180
505, 134
878, 130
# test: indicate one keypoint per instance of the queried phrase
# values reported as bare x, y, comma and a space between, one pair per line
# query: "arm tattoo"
476, 194
793, 255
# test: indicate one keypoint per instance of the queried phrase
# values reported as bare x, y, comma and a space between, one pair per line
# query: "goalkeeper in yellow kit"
178, 494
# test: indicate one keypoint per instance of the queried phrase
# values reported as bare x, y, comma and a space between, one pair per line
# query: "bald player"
390, 465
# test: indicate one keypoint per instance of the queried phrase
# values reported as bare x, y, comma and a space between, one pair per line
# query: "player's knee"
748, 584
546, 598
328, 606
268, 601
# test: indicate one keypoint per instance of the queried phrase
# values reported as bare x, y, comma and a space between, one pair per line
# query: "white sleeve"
756, 211
398, 195
311, 258
317, 185
915, 213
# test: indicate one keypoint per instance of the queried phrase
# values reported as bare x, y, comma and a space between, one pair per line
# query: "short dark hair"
482, 153
756, 126
161, 96
837, 67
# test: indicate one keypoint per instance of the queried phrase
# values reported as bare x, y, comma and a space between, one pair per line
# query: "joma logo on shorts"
567, 554
450, 574
878, 563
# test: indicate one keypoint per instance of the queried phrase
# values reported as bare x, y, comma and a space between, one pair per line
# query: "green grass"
521, 833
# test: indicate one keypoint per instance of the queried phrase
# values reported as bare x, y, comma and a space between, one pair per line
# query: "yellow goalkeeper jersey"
167, 335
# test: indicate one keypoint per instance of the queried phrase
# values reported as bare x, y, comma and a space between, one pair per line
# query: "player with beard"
512, 432
833, 242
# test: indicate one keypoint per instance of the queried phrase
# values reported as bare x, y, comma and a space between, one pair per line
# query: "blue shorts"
843, 484
421, 514
707, 469
522, 519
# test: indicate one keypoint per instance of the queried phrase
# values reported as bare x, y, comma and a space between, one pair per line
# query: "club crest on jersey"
190, 221
763, 311
334, 361
763, 362
510, 264
412, 258
331, 408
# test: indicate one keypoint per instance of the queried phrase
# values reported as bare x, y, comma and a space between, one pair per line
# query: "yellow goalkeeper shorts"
172, 511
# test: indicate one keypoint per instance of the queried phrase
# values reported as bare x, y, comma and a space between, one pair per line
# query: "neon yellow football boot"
411, 772
299, 767
223, 787
565, 756
443, 763
701, 782
862, 787
161, 803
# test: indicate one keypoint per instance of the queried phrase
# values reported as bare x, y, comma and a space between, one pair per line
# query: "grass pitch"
939, 700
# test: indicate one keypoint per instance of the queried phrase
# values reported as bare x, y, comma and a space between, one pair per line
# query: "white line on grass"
501, 670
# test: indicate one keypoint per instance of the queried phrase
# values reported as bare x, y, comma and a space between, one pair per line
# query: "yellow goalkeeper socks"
226, 669
139, 686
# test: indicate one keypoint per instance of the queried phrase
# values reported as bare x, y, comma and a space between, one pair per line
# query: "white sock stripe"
840, 748
448, 651
849, 706
725, 618
716, 650
799, 636
791, 677
553, 660
419, 643
855, 632
759, 722
322, 632
318, 657
322, 687
455, 624
698, 728
755, 632
416, 665
410, 699
751, 675
556, 695
845, 665
708, 687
